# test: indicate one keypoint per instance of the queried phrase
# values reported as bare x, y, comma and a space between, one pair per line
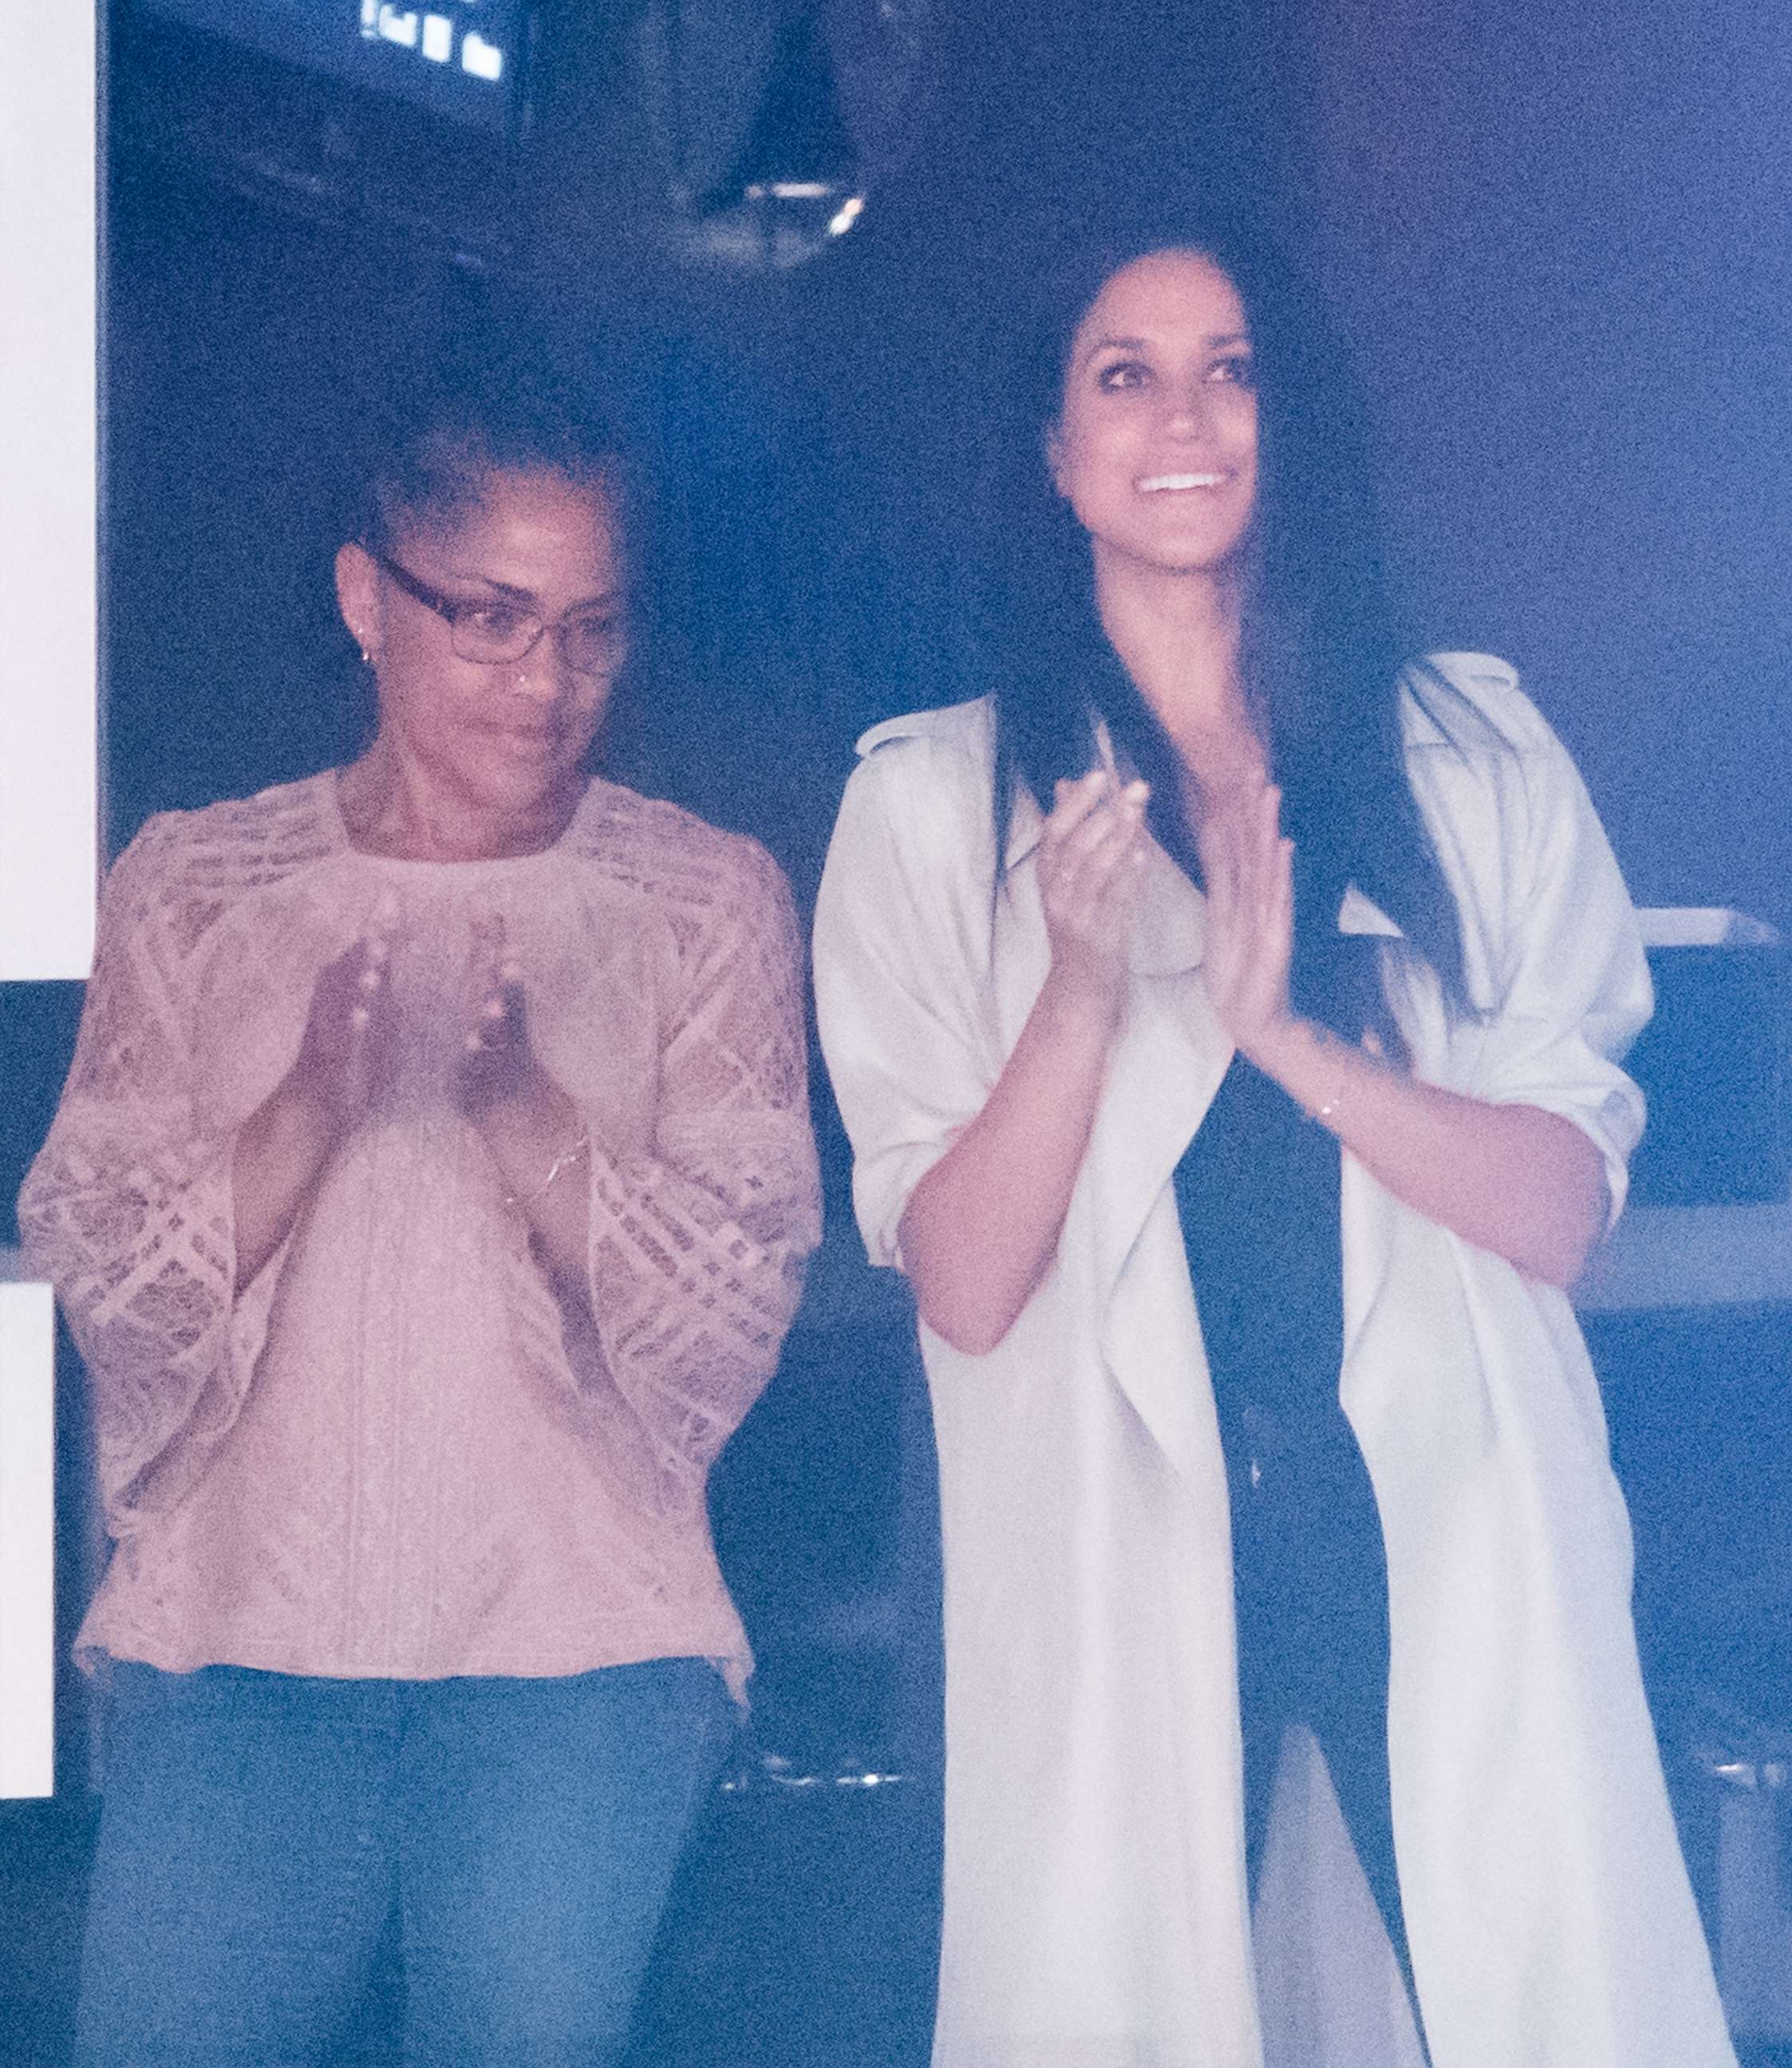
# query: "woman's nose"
1189, 413
541, 672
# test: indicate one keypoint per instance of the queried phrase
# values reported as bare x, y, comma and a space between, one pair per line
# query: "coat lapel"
1164, 1070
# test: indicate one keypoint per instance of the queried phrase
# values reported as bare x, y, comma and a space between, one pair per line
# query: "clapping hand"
501, 1079
1248, 865
530, 1127
1091, 856
498, 1066
346, 1054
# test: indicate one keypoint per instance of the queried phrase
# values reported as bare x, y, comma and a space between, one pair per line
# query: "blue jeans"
258, 1829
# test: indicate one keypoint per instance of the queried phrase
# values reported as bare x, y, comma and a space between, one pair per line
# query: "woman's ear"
358, 587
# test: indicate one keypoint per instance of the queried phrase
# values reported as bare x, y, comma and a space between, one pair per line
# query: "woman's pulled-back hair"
494, 405
1322, 650
496, 402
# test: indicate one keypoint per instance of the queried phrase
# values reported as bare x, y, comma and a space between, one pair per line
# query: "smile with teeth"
1171, 484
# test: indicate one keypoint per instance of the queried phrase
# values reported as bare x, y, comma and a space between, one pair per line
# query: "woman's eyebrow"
490, 581
1143, 345
512, 593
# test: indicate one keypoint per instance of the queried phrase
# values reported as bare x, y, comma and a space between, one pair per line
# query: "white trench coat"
1095, 1905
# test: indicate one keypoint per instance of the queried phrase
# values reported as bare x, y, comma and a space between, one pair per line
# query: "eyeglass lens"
497, 634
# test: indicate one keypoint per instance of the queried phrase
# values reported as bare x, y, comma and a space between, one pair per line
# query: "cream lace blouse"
391, 1454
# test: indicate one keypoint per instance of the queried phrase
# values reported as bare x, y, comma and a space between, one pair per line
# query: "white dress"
1095, 1905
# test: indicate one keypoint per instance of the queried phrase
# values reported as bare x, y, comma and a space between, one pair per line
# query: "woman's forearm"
280, 1151
1525, 1183
981, 1227
543, 1158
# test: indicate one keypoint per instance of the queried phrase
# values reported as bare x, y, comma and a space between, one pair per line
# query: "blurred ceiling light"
773, 118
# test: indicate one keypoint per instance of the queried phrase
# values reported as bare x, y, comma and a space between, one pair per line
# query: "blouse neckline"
330, 794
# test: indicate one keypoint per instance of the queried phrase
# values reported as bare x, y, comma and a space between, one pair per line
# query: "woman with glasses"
428, 1199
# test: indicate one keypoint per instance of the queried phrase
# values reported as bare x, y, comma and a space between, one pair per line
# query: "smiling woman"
1154, 447
1227, 1012
428, 1198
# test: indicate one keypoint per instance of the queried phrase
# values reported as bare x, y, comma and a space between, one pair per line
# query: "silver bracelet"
573, 1152
1324, 1112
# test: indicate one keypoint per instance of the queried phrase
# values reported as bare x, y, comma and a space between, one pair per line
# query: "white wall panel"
48, 496
27, 1537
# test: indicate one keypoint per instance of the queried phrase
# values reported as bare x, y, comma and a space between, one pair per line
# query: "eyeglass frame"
452, 609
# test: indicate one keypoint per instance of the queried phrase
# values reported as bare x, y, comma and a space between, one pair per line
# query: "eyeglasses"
491, 633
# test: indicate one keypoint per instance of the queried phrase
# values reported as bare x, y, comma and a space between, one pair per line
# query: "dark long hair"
1322, 652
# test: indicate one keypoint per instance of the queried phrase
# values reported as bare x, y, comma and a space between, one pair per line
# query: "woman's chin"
518, 769
1191, 551
525, 791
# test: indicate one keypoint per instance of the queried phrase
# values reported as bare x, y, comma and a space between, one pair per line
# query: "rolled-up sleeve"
1564, 982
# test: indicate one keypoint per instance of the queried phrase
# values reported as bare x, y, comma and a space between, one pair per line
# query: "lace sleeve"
126, 1209
697, 1249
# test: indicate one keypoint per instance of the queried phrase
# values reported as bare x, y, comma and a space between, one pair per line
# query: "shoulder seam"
950, 725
